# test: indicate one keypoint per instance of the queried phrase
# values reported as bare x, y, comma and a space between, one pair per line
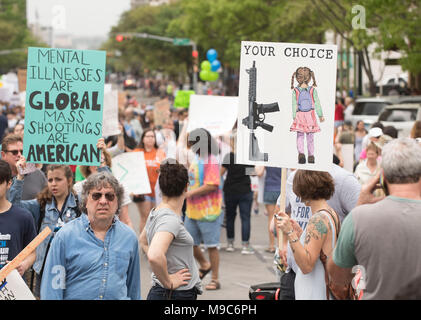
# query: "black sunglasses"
97, 195
14, 152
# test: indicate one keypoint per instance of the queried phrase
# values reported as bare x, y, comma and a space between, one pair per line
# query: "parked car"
401, 116
368, 109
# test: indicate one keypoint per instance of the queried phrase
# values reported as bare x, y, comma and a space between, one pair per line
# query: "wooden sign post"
24, 253
282, 208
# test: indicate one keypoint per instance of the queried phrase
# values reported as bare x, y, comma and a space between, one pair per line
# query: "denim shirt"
81, 266
51, 218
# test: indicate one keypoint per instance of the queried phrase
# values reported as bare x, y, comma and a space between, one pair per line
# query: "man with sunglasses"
11, 152
94, 257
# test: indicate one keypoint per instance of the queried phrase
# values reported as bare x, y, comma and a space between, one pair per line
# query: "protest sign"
13, 287
110, 114
22, 79
161, 112
285, 117
217, 114
348, 157
64, 106
182, 98
130, 169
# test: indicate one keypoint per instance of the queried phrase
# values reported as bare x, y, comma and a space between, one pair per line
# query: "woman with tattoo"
318, 241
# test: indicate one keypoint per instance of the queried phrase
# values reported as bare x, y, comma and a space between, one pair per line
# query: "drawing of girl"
304, 102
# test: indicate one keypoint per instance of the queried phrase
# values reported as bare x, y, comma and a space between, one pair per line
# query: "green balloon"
205, 65
205, 75
213, 76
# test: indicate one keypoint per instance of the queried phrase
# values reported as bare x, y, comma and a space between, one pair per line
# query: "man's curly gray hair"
101, 180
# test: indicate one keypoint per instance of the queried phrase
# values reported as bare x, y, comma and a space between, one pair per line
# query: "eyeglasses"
97, 195
14, 152
149, 136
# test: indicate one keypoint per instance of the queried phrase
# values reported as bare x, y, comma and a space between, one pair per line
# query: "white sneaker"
230, 247
247, 250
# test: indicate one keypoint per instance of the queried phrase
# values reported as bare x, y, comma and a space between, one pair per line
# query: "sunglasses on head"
14, 152
97, 195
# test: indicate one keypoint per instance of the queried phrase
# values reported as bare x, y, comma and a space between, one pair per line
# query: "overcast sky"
77, 17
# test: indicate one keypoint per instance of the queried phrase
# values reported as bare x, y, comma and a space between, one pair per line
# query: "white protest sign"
110, 114
130, 169
286, 105
15, 288
217, 114
348, 157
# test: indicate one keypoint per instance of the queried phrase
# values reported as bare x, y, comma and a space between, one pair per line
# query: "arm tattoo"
316, 228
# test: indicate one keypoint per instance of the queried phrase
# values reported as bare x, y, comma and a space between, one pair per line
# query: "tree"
14, 34
138, 54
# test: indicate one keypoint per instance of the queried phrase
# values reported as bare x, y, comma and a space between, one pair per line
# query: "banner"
286, 105
130, 170
217, 114
64, 106
15, 288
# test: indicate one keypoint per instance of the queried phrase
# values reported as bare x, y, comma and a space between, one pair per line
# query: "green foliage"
14, 34
138, 54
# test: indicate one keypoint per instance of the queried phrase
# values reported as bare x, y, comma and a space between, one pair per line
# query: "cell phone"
384, 185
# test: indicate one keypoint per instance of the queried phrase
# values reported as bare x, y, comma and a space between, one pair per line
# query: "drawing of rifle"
256, 116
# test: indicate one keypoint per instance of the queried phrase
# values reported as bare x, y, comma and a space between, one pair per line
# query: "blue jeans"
244, 202
159, 293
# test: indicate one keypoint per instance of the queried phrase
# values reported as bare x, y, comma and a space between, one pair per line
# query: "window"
369, 108
398, 115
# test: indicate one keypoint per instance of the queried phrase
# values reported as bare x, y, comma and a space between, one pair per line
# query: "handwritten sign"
14, 288
110, 115
64, 106
130, 170
161, 112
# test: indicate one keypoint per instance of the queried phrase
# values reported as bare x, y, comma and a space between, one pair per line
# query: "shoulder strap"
311, 95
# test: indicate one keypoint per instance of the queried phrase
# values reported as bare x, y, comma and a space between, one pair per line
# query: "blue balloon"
215, 65
212, 55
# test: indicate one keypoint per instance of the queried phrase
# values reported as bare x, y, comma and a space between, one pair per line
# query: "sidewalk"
237, 272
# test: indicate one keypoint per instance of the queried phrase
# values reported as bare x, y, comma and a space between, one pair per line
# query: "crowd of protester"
367, 217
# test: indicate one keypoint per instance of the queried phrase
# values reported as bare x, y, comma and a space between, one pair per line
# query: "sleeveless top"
312, 286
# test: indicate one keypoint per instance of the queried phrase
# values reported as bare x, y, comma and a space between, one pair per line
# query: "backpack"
305, 100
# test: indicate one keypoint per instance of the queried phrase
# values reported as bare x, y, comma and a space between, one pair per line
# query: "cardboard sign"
217, 114
22, 79
130, 170
64, 106
161, 112
15, 288
286, 105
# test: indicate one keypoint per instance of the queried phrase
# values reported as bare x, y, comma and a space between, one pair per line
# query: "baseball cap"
375, 132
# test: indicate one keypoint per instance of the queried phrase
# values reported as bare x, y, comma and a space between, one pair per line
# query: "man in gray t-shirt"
384, 238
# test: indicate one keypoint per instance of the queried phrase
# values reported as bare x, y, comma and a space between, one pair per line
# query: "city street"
237, 272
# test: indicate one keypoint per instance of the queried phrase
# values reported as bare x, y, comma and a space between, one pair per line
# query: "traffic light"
119, 38
195, 55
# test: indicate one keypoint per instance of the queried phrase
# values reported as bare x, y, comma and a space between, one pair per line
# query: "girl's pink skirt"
305, 122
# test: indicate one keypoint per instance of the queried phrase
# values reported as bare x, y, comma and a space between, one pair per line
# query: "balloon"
205, 75
205, 65
213, 76
212, 55
215, 65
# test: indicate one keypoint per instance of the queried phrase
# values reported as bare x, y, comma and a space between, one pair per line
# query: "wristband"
295, 240
290, 232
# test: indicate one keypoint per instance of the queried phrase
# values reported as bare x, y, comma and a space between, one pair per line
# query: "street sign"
181, 41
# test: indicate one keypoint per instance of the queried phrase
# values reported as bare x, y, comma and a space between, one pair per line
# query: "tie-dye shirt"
204, 207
